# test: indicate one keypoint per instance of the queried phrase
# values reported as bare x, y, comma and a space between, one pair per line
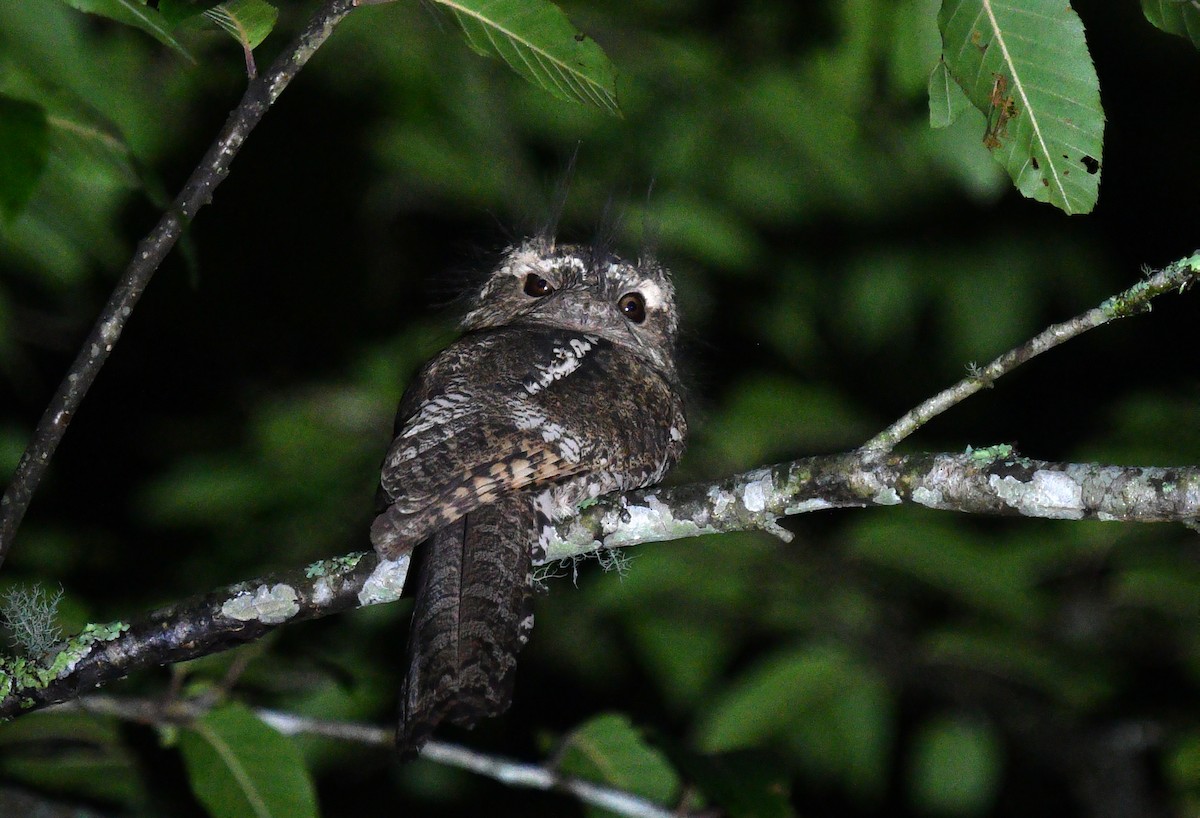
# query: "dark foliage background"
838, 262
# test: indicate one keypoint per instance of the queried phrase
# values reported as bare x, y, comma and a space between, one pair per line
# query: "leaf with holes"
537, 41
1181, 17
134, 13
241, 768
1025, 65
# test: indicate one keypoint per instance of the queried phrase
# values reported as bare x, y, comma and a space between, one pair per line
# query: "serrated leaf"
247, 21
241, 768
608, 748
1181, 17
1026, 66
134, 13
537, 41
24, 146
946, 99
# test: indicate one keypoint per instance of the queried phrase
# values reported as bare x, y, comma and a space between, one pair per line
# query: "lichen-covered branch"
993, 481
1136, 299
260, 94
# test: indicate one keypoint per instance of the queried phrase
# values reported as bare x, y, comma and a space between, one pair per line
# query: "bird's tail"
473, 613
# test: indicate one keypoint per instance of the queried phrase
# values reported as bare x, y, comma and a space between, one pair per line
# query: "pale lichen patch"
385, 583
816, 504
886, 496
756, 492
270, 605
720, 500
930, 498
322, 592
1048, 494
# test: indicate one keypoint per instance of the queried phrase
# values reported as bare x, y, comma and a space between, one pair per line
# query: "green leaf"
247, 21
70, 754
241, 768
24, 143
176, 12
829, 708
946, 99
134, 13
956, 767
537, 41
1026, 66
1180, 17
610, 749
86, 139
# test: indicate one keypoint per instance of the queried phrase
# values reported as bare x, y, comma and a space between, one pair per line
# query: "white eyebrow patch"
526, 261
653, 294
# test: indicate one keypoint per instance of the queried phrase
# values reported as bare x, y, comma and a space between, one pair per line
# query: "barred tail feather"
473, 613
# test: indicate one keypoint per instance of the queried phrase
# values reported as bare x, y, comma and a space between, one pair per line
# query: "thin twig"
505, 770
995, 481
1131, 302
196, 193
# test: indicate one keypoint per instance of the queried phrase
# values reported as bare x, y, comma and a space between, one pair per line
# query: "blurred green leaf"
71, 753
683, 655
1182, 764
83, 138
1170, 588
1181, 17
772, 417
833, 711
1026, 66
914, 45
609, 749
1023, 659
134, 13
956, 767
24, 147
998, 580
750, 784
241, 768
537, 41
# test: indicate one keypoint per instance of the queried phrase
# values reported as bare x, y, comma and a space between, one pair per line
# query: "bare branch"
1136, 299
260, 94
993, 481
505, 770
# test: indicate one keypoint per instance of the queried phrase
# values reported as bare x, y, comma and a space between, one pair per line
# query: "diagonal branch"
1134, 300
260, 94
505, 770
993, 481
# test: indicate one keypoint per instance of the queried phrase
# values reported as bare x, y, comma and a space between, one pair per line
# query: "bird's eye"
633, 307
536, 286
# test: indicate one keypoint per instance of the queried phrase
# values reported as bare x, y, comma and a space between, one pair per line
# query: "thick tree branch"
994, 481
260, 94
505, 770
1136, 299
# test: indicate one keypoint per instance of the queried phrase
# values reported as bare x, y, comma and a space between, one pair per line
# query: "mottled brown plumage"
562, 388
